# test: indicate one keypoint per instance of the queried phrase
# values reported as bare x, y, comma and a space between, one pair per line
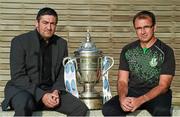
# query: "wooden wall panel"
109, 22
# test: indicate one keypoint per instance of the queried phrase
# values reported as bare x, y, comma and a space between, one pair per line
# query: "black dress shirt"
46, 63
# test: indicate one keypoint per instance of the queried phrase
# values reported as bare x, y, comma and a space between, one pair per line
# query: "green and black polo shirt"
145, 65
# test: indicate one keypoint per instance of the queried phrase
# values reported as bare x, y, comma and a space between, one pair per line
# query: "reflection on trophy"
89, 65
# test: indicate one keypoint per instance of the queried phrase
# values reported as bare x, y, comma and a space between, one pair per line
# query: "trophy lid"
87, 46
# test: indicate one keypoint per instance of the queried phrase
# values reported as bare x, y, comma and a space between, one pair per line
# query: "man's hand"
125, 104
136, 102
51, 100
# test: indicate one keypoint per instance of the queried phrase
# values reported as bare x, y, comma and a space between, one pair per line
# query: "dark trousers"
24, 104
159, 106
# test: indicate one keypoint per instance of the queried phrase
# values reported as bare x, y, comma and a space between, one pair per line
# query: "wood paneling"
109, 22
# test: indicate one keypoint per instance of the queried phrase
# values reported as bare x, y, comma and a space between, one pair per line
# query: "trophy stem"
89, 91
88, 87
91, 97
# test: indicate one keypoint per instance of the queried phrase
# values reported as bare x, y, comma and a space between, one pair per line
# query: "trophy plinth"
93, 103
91, 97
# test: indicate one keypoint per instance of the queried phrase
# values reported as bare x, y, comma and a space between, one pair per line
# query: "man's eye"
53, 23
144, 28
138, 28
45, 22
147, 27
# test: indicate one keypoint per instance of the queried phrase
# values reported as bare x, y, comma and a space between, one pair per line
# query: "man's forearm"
164, 84
122, 89
154, 93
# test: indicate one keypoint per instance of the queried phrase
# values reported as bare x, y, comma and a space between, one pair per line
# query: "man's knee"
105, 111
81, 110
162, 112
108, 110
23, 103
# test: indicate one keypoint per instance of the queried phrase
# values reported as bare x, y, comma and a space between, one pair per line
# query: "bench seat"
92, 113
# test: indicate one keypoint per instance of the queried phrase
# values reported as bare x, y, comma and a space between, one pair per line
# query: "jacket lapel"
36, 46
55, 54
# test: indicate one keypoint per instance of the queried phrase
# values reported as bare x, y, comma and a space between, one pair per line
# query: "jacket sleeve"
59, 83
19, 76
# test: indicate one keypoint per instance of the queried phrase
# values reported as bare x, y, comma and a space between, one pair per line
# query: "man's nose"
49, 26
143, 30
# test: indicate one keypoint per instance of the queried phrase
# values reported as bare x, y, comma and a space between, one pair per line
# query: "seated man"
37, 73
146, 70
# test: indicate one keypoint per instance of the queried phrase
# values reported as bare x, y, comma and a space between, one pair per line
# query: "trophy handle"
99, 74
112, 63
77, 71
66, 59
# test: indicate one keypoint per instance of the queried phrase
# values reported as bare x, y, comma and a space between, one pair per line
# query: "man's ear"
36, 23
155, 28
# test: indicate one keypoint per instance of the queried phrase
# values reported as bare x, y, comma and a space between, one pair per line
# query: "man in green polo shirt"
146, 70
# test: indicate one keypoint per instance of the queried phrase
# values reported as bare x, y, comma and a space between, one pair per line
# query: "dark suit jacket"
25, 66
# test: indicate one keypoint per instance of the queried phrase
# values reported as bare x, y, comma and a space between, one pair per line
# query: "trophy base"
93, 103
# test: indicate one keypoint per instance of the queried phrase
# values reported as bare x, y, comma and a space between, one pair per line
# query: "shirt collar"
42, 40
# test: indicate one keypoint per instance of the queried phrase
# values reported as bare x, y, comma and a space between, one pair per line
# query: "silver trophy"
89, 66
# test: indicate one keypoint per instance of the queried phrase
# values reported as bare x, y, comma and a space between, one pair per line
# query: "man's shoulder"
24, 36
60, 39
163, 46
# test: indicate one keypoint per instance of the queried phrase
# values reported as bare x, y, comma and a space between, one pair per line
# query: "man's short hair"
47, 11
143, 15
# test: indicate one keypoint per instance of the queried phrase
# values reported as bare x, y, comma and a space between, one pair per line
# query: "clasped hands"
51, 100
130, 104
